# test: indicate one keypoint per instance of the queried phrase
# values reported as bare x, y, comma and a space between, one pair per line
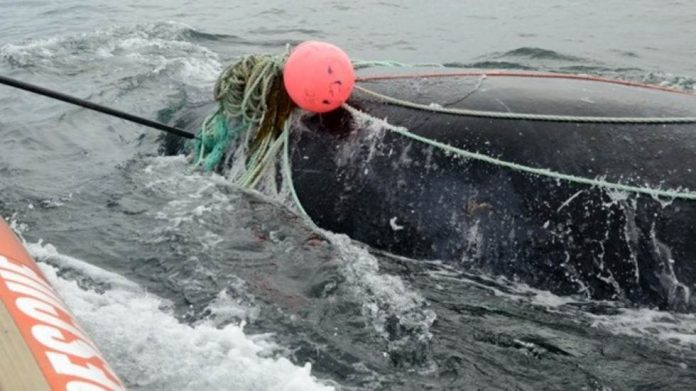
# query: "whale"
354, 175
543, 195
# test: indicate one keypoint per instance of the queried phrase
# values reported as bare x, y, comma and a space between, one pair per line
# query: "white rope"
687, 195
528, 116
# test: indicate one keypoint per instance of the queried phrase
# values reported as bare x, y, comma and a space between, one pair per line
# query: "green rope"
687, 195
527, 116
243, 91
287, 176
251, 178
212, 141
242, 88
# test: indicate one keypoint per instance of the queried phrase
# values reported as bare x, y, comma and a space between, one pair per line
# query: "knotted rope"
253, 103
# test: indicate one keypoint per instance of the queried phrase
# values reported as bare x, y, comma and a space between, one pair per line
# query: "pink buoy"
318, 76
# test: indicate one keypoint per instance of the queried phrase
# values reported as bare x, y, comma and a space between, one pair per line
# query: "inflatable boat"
574, 184
42, 347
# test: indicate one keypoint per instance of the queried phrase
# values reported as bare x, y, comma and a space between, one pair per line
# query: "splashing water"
164, 353
231, 289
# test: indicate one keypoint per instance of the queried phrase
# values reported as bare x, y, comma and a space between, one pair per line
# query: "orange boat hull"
42, 347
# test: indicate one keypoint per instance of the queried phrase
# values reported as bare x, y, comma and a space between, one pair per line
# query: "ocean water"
187, 282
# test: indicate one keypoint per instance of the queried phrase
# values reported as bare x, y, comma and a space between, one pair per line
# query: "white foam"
151, 350
225, 309
549, 300
154, 49
382, 295
675, 328
678, 329
503, 287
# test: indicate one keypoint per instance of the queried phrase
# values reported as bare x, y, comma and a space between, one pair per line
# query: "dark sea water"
187, 282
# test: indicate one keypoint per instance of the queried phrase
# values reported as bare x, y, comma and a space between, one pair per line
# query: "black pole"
93, 106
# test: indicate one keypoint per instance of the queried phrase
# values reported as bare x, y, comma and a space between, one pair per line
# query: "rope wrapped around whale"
253, 103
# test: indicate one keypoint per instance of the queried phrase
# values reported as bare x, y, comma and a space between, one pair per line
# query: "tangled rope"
250, 96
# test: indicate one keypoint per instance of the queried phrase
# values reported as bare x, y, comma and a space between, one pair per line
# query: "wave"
489, 64
539, 54
544, 60
151, 350
394, 313
151, 49
664, 327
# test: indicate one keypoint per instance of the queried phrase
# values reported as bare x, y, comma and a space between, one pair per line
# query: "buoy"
318, 76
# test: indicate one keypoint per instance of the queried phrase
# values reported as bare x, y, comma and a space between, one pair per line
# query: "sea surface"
187, 282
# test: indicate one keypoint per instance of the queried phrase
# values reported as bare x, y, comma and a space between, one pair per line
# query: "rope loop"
528, 116
544, 172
